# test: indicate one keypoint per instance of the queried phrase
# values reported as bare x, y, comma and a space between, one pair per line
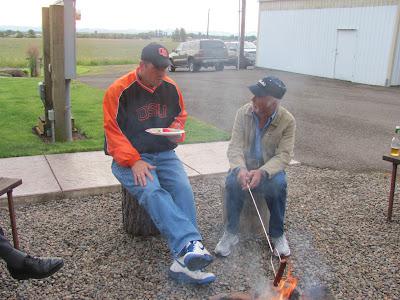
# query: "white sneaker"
226, 243
196, 256
182, 274
281, 245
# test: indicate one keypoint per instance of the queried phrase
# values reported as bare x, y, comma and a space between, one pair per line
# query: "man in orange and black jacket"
146, 164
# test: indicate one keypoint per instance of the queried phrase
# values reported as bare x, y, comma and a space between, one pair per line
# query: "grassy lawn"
21, 107
108, 69
90, 52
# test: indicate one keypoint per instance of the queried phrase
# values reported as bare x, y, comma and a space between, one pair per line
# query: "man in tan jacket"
260, 149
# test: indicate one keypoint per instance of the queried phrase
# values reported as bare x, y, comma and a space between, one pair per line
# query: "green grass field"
21, 107
90, 52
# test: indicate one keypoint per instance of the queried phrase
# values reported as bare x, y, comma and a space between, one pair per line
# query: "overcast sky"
140, 14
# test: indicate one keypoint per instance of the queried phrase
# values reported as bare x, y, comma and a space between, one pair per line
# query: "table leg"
12, 218
392, 189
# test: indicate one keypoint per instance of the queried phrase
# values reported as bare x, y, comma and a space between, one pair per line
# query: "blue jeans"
168, 199
273, 190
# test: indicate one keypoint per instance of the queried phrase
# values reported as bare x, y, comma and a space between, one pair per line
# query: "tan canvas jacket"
277, 142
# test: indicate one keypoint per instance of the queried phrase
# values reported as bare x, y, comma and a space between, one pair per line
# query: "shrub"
33, 61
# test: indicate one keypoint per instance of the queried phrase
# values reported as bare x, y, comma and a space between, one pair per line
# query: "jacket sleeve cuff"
236, 166
128, 163
267, 172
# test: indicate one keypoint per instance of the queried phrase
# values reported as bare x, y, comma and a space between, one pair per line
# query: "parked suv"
199, 53
249, 53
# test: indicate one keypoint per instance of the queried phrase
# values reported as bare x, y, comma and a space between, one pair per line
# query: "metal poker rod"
265, 231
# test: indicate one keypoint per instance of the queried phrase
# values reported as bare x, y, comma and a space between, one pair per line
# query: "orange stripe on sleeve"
118, 146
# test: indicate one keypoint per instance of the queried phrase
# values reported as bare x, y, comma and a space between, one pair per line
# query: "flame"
286, 286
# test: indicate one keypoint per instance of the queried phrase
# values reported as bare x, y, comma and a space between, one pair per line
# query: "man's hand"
255, 177
140, 170
243, 178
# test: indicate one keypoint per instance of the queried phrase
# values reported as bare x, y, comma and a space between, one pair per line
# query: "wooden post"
12, 219
250, 224
58, 71
135, 219
48, 103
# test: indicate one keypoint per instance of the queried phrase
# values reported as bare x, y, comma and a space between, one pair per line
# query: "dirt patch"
76, 136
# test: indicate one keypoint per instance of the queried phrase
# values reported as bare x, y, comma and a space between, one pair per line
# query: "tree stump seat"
250, 224
135, 219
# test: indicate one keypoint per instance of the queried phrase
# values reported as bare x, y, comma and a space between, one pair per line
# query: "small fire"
285, 287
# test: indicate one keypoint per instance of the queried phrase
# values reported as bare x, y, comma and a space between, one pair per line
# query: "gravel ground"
335, 225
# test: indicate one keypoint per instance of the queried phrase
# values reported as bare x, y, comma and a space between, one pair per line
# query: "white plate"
165, 131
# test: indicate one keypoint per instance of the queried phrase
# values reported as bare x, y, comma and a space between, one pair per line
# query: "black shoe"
36, 268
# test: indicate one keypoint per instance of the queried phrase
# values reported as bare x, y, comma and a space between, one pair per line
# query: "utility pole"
57, 68
238, 48
242, 36
208, 21
48, 101
59, 49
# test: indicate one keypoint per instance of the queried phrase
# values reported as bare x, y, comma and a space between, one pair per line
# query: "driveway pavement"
340, 125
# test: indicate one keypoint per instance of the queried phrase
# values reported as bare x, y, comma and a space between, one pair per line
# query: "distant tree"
251, 38
176, 35
182, 35
19, 34
31, 33
144, 35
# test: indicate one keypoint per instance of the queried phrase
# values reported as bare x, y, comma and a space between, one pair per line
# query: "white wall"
304, 40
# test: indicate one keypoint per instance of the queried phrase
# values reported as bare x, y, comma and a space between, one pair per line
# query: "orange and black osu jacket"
130, 107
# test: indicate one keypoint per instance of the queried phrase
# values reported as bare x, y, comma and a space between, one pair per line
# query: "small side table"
6, 186
395, 161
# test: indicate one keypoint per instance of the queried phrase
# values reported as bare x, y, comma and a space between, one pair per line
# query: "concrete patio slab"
58, 176
76, 171
189, 171
35, 172
82, 170
206, 158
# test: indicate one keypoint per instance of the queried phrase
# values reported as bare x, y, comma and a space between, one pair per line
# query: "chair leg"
392, 189
12, 219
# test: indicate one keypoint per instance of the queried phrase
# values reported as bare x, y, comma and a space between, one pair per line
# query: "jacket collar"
275, 121
143, 85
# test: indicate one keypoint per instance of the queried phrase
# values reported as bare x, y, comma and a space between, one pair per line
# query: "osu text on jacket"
130, 108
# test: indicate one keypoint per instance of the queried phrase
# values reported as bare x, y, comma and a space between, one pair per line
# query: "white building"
355, 40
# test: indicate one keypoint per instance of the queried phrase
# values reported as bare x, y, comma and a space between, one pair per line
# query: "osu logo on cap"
163, 52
